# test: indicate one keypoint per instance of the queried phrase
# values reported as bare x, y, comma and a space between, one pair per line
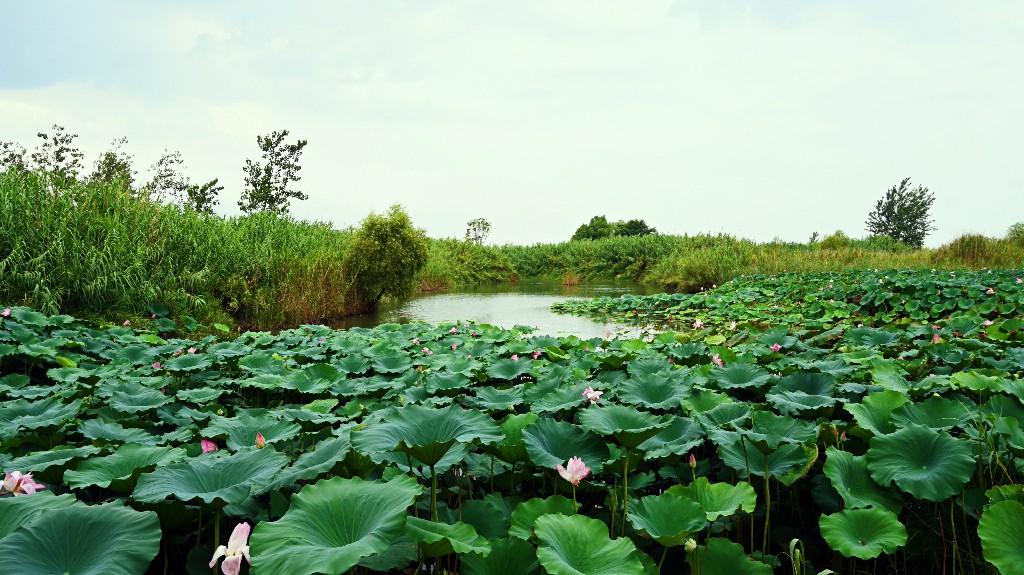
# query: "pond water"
507, 305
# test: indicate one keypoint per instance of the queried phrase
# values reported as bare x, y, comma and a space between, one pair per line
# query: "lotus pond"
859, 422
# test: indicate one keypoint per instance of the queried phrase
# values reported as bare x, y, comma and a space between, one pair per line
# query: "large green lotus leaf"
936, 412
629, 426
681, 436
130, 397
740, 376
188, 362
560, 398
507, 557
440, 539
718, 499
550, 442
392, 364
652, 391
863, 533
115, 433
24, 414
803, 391
316, 378
201, 395
122, 464
874, 412
743, 455
16, 511
1001, 531
778, 429
226, 349
83, 540
526, 513
441, 382
494, 398
723, 557
490, 516
322, 459
511, 448
667, 518
975, 381
356, 364
425, 433
332, 524
850, 478
230, 478
921, 461
578, 545
43, 460
732, 414
241, 430
508, 368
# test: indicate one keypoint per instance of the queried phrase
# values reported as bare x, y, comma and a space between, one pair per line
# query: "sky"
759, 119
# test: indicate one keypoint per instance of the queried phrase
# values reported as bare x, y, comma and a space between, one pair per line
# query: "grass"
98, 249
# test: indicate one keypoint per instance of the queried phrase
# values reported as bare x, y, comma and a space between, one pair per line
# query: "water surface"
507, 305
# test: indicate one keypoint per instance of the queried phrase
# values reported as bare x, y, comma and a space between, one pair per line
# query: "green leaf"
578, 545
629, 426
507, 557
425, 433
667, 518
332, 524
550, 442
84, 540
718, 499
921, 461
440, 539
212, 477
863, 533
850, 478
17, 511
122, 464
723, 557
1001, 531
526, 513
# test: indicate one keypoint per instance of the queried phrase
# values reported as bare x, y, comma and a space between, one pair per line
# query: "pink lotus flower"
515, 357
990, 291
455, 346
592, 394
697, 324
1019, 281
454, 330
415, 341
574, 472
152, 316
192, 350
7, 311
322, 340
17, 483
236, 550
208, 446
717, 360
536, 354
986, 323
693, 461
156, 365
261, 441
126, 323
776, 347
426, 351
936, 338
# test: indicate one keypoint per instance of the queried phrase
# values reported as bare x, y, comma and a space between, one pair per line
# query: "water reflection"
507, 305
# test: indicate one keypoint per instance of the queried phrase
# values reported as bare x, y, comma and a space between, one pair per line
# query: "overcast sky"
760, 119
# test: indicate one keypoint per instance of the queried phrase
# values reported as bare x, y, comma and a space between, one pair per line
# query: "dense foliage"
871, 423
903, 214
95, 248
599, 228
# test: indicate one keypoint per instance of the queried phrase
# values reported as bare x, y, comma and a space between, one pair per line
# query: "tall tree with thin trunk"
269, 183
903, 214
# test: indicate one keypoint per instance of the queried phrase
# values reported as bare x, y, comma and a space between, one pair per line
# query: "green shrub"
836, 241
385, 255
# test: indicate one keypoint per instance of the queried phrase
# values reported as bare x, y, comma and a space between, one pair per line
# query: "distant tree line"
599, 227
269, 181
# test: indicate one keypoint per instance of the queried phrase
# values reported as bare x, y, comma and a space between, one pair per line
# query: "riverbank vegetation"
870, 423
97, 248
